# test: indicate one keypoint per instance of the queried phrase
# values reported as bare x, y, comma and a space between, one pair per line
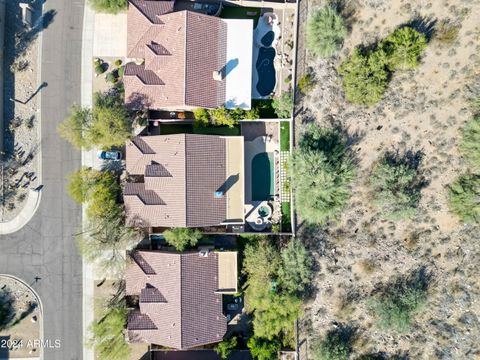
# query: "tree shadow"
423, 24
7, 309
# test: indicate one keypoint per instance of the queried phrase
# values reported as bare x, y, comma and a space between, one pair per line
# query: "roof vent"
218, 194
203, 253
217, 76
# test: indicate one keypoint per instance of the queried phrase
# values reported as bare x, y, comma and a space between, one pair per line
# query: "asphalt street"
45, 247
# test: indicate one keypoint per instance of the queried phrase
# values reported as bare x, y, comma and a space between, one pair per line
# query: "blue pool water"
267, 39
266, 71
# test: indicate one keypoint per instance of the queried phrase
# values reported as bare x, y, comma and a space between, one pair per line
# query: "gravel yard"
18, 169
19, 320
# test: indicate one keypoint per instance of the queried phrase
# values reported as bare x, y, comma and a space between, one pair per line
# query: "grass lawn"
284, 136
167, 129
265, 108
286, 220
240, 12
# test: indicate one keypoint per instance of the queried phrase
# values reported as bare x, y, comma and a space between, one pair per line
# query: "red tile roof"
181, 50
178, 304
181, 174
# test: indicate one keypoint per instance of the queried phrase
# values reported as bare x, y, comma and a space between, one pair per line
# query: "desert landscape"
363, 253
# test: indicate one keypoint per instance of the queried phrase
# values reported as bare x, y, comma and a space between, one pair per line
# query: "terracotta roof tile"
191, 314
181, 174
182, 49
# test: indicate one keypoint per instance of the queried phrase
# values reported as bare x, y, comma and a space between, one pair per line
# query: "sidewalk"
88, 159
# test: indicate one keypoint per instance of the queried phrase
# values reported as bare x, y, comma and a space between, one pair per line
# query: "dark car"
110, 155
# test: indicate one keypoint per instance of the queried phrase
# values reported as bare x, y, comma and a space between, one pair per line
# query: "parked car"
110, 155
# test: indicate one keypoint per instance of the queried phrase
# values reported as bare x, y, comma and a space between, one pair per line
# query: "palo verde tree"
322, 170
106, 125
296, 272
264, 349
108, 337
325, 32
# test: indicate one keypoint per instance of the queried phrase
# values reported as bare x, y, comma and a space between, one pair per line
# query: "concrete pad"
235, 179
227, 272
110, 35
238, 68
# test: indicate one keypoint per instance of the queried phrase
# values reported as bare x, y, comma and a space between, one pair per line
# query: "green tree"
108, 6
105, 242
202, 117
108, 337
403, 48
464, 195
111, 125
274, 311
107, 125
470, 144
76, 126
181, 238
325, 32
296, 272
221, 117
264, 349
335, 346
225, 347
283, 105
364, 77
321, 172
81, 182
396, 187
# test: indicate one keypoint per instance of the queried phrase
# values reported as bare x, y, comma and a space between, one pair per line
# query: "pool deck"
235, 179
252, 148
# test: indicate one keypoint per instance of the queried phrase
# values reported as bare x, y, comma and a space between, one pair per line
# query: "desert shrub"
283, 105
111, 78
118, 62
365, 74
470, 144
403, 48
396, 304
321, 173
202, 118
181, 238
221, 117
296, 273
364, 77
336, 345
396, 183
306, 84
108, 6
108, 337
100, 69
325, 32
446, 32
264, 349
464, 195
224, 348
121, 71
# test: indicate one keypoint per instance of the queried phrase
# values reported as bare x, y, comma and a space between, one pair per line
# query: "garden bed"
167, 129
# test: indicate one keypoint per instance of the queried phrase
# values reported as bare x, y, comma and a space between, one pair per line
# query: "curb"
40, 306
25, 215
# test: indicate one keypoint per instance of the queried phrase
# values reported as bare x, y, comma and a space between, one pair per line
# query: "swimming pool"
266, 71
262, 177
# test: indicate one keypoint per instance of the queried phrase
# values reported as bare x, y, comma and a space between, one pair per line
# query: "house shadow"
228, 184
228, 67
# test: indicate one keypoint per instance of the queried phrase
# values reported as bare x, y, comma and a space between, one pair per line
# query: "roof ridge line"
185, 177
185, 62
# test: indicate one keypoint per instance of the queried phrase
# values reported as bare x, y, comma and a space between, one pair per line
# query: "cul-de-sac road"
45, 247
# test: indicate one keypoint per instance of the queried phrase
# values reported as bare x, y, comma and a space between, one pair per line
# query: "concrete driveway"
110, 36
